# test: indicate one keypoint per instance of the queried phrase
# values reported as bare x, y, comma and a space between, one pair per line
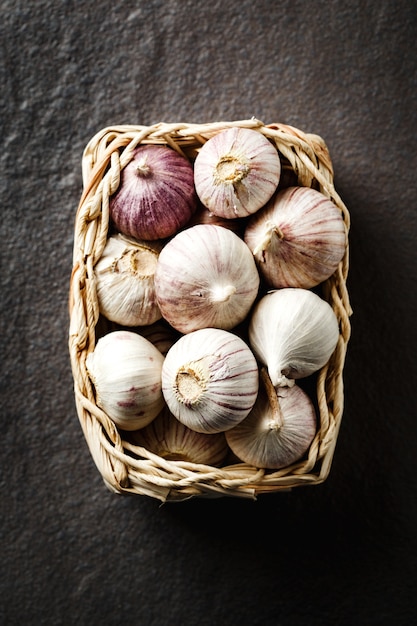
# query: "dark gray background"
341, 553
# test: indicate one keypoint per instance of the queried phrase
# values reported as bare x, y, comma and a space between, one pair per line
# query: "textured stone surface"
341, 553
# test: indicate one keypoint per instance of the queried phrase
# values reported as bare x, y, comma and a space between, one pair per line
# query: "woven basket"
129, 469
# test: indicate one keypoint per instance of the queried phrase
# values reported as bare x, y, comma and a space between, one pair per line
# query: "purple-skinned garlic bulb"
156, 196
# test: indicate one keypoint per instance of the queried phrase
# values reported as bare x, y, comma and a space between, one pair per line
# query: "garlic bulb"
156, 195
125, 281
210, 380
125, 369
236, 172
279, 429
204, 216
206, 277
160, 334
298, 238
171, 440
293, 332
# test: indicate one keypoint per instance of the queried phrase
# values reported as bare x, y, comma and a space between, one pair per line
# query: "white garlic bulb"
298, 239
293, 332
236, 172
206, 277
171, 440
125, 281
279, 429
125, 369
210, 380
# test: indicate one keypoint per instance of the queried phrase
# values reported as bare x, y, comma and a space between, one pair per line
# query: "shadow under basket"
130, 469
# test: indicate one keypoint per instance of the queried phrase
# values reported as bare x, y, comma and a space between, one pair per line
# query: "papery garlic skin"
125, 369
206, 277
210, 380
171, 440
156, 196
236, 172
268, 442
293, 332
125, 281
298, 239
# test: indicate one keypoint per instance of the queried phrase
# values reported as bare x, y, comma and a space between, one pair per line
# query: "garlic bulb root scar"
278, 420
230, 169
140, 263
190, 383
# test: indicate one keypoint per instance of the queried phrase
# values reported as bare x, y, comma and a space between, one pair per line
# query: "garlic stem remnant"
171, 440
142, 167
125, 281
205, 277
276, 413
298, 239
210, 380
293, 332
269, 441
156, 196
222, 293
236, 172
125, 369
